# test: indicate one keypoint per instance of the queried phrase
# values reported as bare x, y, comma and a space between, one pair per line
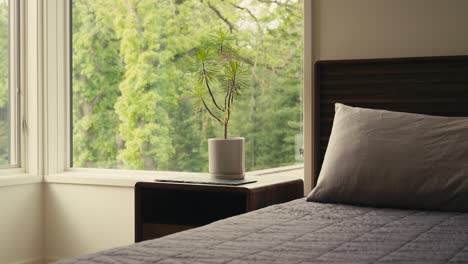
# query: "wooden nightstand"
165, 208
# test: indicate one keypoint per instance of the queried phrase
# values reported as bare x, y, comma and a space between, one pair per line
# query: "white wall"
21, 223
345, 29
82, 219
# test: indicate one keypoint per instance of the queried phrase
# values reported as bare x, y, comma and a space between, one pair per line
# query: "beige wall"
352, 29
82, 219
21, 224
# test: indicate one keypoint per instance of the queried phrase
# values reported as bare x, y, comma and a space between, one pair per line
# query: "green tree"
97, 72
132, 87
4, 94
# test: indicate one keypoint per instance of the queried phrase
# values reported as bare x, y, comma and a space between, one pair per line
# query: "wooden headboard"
426, 85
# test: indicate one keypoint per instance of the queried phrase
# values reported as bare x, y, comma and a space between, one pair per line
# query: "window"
131, 87
9, 99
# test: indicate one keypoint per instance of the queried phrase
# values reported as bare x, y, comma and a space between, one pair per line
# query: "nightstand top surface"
262, 178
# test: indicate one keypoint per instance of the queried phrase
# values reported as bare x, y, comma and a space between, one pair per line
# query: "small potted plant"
219, 77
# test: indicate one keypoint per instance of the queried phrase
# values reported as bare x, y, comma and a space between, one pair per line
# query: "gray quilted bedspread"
304, 232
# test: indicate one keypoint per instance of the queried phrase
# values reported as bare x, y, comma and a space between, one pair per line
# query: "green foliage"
133, 93
217, 65
4, 95
97, 72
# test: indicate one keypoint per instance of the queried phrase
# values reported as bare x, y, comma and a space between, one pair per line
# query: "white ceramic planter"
226, 158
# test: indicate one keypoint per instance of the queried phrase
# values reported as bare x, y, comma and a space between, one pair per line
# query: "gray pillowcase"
391, 159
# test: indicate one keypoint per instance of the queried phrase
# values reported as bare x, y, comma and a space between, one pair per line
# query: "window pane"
132, 87
8, 104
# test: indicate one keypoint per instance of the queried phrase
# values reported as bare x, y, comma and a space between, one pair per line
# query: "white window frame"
14, 86
27, 85
56, 18
14, 92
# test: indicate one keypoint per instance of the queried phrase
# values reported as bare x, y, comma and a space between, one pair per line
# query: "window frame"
14, 98
28, 91
58, 167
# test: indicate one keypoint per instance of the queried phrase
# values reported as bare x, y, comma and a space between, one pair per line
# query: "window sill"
19, 179
128, 178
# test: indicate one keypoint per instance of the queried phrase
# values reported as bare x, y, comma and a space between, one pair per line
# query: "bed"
311, 232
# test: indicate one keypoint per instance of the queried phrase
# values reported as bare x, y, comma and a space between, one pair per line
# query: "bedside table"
166, 208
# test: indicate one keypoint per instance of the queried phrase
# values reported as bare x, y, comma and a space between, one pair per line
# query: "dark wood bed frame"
426, 85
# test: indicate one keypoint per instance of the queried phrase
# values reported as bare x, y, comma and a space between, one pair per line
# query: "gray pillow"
391, 159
